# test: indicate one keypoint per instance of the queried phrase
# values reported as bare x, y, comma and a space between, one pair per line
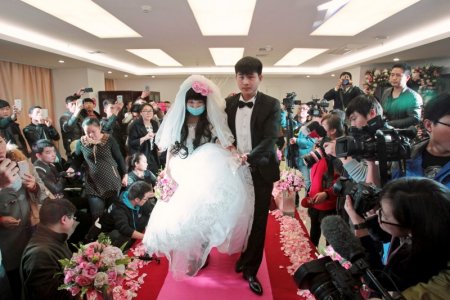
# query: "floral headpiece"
201, 88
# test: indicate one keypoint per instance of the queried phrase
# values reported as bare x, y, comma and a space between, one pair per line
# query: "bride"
214, 201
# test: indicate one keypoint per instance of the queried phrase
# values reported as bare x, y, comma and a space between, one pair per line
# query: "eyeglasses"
72, 217
147, 111
446, 124
380, 219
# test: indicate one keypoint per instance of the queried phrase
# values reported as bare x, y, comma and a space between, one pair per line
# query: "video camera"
365, 196
327, 279
376, 142
317, 107
289, 101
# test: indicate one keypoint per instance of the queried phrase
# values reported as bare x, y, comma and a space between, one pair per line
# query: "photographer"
359, 111
415, 212
343, 92
321, 200
431, 157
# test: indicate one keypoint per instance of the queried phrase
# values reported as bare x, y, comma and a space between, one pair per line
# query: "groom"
254, 120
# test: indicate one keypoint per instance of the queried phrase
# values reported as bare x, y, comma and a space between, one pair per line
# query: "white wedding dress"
212, 207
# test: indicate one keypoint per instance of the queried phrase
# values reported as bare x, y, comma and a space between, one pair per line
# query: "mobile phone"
44, 113
88, 90
24, 167
18, 104
147, 88
119, 99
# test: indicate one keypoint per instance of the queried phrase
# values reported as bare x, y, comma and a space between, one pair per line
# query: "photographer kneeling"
416, 213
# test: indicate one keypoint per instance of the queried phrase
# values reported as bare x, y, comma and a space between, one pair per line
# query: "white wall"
274, 86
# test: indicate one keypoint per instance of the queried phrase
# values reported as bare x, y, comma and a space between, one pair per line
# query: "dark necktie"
248, 104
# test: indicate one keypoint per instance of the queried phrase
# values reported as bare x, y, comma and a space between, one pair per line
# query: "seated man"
125, 221
46, 156
41, 271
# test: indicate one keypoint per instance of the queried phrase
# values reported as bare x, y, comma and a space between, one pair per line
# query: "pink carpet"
217, 281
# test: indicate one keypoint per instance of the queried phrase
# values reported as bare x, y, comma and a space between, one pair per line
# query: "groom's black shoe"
238, 268
254, 284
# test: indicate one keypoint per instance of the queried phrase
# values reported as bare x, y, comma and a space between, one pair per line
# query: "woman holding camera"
321, 200
415, 212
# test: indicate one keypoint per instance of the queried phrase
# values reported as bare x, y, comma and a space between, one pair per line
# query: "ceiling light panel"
226, 56
358, 15
223, 17
156, 56
298, 56
87, 16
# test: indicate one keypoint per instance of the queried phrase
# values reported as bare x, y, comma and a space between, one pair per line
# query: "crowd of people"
231, 143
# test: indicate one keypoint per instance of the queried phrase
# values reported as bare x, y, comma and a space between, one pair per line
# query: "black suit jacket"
264, 128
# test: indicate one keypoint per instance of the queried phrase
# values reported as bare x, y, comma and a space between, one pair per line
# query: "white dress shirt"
243, 132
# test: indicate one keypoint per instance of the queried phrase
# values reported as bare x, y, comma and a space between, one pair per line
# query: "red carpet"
219, 281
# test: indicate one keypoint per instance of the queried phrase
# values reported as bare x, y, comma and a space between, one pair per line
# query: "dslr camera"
376, 141
316, 154
365, 196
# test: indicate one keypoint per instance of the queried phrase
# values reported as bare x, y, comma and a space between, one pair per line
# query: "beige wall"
276, 87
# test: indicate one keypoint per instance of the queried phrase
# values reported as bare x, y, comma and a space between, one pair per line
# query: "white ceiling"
170, 26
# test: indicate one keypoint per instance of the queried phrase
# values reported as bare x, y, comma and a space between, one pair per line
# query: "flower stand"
285, 202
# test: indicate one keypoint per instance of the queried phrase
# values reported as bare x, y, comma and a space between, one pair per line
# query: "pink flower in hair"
201, 88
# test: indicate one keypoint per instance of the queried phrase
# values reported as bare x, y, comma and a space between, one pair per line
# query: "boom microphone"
343, 241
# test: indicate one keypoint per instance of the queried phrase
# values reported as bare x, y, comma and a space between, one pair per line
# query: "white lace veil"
170, 130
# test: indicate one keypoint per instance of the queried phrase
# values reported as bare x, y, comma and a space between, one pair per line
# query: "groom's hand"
244, 158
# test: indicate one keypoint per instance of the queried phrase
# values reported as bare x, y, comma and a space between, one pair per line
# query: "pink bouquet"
165, 187
291, 180
100, 270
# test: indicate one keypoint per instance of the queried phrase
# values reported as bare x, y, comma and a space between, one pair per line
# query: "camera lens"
313, 157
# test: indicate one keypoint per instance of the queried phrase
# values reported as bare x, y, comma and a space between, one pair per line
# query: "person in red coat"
321, 200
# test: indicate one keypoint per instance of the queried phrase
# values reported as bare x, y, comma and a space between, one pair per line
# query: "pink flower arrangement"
291, 180
165, 187
98, 268
201, 88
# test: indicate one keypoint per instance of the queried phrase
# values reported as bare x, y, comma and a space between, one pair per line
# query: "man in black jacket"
70, 123
41, 272
254, 120
343, 92
9, 127
40, 128
125, 221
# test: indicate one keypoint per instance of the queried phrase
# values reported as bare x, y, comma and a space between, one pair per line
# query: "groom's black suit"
264, 128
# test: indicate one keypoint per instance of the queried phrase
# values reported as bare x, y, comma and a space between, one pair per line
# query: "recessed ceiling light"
86, 15
126, 75
299, 55
109, 72
226, 56
360, 15
153, 76
396, 59
332, 75
307, 76
219, 17
156, 56
61, 61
